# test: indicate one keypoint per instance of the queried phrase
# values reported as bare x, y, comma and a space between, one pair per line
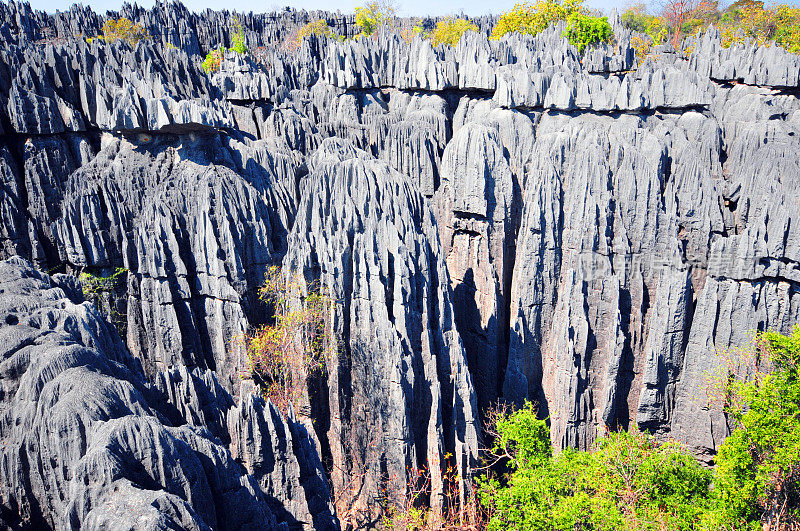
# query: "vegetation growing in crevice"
317, 27
94, 285
284, 355
237, 39
100, 291
411, 510
213, 61
122, 29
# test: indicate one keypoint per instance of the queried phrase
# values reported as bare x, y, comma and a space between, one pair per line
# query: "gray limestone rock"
399, 393
83, 444
503, 219
476, 209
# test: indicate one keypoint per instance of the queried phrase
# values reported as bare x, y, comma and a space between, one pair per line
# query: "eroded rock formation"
498, 220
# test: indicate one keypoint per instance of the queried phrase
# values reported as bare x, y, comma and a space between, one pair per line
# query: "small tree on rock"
124, 29
283, 356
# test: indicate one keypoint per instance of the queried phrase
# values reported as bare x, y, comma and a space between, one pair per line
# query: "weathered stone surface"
399, 393
282, 458
476, 209
195, 236
83, 444
505, 219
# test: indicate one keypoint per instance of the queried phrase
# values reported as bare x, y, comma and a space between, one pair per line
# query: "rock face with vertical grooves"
84, 442
500, 220
367, 232
87, 441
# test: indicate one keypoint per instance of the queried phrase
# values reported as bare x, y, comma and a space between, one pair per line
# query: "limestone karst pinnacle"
501, 219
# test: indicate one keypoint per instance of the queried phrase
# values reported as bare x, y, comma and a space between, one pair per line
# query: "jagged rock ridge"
502, 219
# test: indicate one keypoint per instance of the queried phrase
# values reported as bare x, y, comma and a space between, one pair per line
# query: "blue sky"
407, 7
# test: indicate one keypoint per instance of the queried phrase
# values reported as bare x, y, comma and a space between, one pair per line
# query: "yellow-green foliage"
213, 60
123, 29
586, 30
284, 355
318, 27
535, 18
93, 285
702, 16
757, 477
636, 18
450, 30
408, 31
628, 481
745, 21
238, 44
370, 17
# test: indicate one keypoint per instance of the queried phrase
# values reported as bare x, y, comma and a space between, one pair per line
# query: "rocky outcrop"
88, 442
500, 220
399, 394
281, 455
195, 235
82, 443
477, 208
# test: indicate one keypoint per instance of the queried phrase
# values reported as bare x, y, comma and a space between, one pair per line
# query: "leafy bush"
787, 27
535, 18
373, 16
318, 27
636, 18
284, 355
123, 29
586, 30
213, 60
450, 30
628, 481
237, 44
745, 21
757, 478
702, 16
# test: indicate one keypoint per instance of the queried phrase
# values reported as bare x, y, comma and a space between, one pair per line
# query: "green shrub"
213, 60
628, 481
586, 30
636, 18
757, 477
237, 44
747, 20
450, 30
319, 27
373, 16
535, 18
